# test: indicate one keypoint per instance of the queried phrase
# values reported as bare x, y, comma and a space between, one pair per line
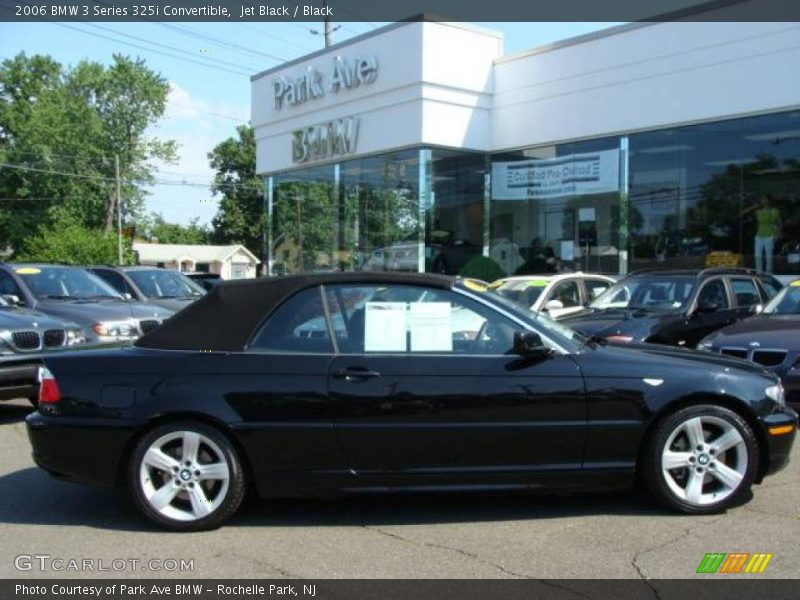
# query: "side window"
113, 279
412, 319
745, 292
713, 292
769, 288
567, 293
297, 325
8, 286
595, 287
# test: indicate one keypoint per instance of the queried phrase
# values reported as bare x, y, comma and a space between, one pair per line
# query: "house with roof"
229, 262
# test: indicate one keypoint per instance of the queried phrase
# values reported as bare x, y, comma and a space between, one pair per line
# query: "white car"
554, 295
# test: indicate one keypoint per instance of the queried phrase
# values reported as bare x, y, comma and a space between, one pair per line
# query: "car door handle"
355, 374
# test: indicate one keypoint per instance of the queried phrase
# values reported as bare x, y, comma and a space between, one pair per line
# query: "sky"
208, 66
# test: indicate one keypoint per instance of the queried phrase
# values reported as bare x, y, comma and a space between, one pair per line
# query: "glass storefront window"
717, 194
557, 208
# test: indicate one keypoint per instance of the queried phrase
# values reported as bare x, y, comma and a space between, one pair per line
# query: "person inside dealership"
768, 222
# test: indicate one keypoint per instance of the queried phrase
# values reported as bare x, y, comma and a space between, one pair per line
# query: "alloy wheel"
704, 460
184, 475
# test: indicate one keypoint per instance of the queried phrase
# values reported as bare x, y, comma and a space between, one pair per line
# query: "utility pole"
327, 30
119, 211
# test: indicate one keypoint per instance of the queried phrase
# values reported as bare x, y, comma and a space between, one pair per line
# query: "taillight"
48, 387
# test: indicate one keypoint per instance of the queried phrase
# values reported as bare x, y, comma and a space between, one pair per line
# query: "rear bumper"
779, 446
83, 450
18, 381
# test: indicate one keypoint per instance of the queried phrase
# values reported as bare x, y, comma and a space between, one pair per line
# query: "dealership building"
421, 145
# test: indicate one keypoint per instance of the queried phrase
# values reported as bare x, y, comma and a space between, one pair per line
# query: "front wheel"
186, 477
701, 459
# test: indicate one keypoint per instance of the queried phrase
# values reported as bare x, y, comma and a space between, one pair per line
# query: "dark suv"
163, 287
677, 308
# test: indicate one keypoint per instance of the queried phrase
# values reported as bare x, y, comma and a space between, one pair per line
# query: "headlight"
123, 329
705, 345
75, 337
775, 392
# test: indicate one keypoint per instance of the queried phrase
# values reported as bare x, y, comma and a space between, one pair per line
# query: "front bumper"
780, 430
18, 381
83, 450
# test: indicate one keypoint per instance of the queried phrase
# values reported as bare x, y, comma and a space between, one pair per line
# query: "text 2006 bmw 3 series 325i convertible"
345, 383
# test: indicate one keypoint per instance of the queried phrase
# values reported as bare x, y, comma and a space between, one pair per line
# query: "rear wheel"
186, 477
701, 459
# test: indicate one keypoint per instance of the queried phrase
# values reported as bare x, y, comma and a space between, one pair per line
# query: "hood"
628, 361
769, 331
88, 312
637, 323
172, 305
22, 318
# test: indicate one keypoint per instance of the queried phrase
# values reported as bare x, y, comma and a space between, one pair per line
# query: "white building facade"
420, 146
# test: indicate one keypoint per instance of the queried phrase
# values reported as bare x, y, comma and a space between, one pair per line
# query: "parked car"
27, 334
163, 287
191, 417
208, 280
75, 294
677, 308
771, 339
556, 295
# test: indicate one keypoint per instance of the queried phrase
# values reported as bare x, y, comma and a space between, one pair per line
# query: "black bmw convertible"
378, 382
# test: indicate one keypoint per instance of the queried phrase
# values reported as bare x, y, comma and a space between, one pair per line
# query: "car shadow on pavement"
31, 496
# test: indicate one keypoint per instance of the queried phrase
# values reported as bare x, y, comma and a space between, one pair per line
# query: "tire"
707, 475
197, 496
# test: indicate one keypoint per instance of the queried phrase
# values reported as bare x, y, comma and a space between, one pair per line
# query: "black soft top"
225, 319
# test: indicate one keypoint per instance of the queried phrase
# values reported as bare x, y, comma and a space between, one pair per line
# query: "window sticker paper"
385, 327
430, 326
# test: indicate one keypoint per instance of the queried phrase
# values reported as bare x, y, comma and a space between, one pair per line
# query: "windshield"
63, 283
161, 283
649, 293
524, 292
787, 302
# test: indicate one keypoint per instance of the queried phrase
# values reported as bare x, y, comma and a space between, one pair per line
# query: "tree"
60, 130
240, 218
72, 243
156, 229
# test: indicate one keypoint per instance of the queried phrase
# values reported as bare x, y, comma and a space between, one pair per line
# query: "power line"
167, 47
221, 42
275, 37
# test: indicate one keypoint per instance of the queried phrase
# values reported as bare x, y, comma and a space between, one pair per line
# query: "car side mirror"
554, 305
12, 299
529, 344
706, 306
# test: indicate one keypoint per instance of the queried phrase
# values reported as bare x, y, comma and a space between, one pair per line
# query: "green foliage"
61, 128
71, 243
240, 218
482, 267
155, 229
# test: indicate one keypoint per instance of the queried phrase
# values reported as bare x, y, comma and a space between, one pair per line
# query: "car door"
701, 323
568, 293
278, 387
426, 391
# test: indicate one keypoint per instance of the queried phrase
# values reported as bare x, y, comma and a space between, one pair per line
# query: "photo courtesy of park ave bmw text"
348, 299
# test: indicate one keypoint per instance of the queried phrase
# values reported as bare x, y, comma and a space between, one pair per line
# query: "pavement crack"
464, 553
684, 534
261, 563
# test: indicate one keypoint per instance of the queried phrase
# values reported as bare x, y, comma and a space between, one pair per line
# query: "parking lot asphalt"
624, 535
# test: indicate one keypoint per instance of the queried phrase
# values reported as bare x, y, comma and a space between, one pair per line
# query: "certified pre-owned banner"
571, 175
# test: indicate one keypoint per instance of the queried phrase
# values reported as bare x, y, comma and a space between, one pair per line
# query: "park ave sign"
346, 74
